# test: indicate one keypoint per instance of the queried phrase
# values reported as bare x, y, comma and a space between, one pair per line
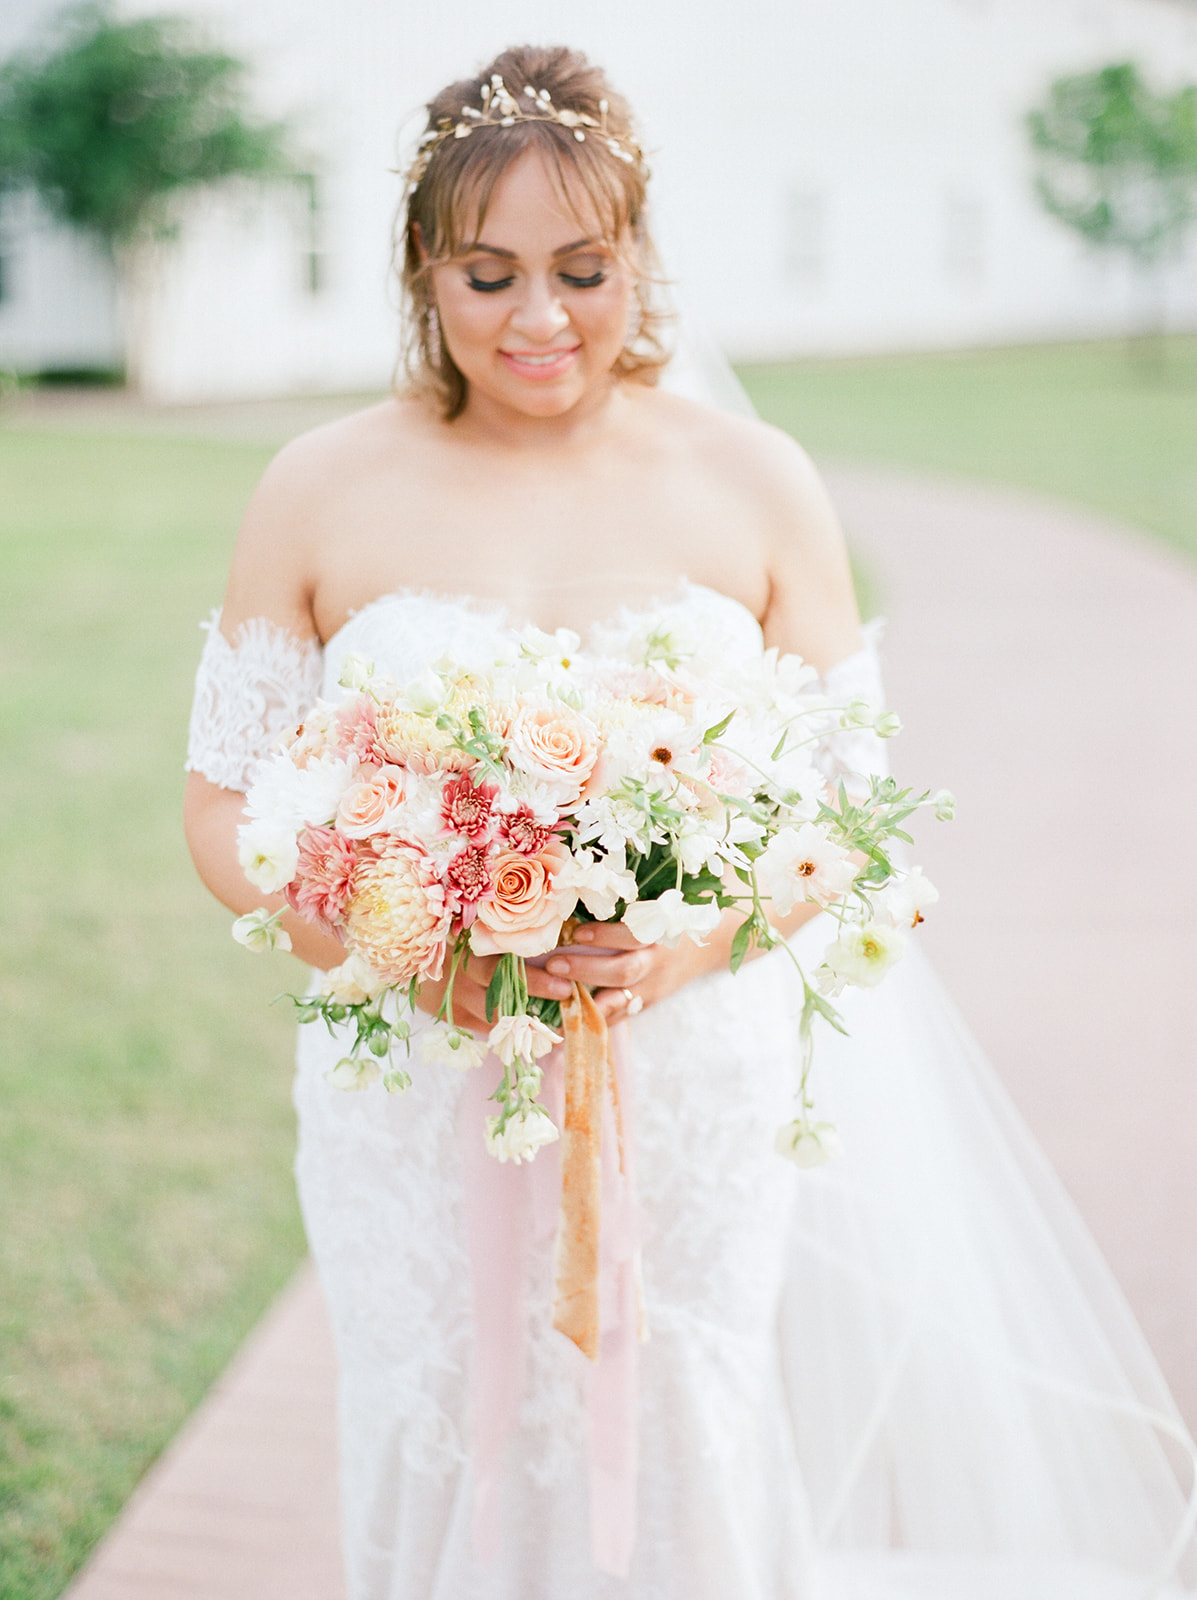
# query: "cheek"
466, 317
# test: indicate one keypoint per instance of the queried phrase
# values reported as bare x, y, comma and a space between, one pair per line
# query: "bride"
905, 1375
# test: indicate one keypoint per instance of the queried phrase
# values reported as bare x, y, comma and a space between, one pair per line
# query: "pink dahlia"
468, 876
523, 833
323, 880
397, 919
357, 728
466, 807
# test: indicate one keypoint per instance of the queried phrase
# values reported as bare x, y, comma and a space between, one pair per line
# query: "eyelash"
485, 287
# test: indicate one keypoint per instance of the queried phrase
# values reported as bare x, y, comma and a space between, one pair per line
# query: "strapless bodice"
403, 632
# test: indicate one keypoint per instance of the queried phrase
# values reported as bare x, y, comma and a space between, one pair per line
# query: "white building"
831, 176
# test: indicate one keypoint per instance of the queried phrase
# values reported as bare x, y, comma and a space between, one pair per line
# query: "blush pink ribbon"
507, 1206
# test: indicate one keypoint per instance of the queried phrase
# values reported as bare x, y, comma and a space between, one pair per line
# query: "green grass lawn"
145, 1129
1083, 421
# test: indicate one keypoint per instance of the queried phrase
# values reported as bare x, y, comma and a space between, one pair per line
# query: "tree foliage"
1118, 161
109, 118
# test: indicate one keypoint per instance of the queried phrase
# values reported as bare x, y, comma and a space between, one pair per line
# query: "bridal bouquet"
489, 809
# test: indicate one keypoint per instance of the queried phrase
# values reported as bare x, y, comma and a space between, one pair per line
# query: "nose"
539, 316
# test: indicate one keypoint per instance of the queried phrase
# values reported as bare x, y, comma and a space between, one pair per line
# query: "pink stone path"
1046, 665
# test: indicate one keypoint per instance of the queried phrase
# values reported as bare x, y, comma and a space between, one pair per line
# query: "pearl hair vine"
501, 109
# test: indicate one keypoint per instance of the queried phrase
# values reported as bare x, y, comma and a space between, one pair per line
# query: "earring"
432, 327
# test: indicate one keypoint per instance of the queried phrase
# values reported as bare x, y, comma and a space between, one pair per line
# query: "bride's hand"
626, 975
475, 973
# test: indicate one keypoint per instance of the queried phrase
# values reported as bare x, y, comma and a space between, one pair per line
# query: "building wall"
829, 177
58, 303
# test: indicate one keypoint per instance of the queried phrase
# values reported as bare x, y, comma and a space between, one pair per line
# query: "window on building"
313, 263
805, 238
964, 238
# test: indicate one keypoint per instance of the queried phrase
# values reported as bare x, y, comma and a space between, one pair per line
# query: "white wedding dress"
906, 1376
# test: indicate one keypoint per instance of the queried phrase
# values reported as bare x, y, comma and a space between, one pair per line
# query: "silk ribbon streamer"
587, 1181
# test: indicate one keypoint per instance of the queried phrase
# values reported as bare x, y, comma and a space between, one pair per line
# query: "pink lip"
524, 363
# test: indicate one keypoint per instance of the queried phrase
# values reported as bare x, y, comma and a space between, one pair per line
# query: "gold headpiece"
500, 109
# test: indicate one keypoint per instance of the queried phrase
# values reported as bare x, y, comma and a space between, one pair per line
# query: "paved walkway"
1046, 666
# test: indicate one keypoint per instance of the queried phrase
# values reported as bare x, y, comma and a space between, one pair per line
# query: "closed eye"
489, 285
591, 282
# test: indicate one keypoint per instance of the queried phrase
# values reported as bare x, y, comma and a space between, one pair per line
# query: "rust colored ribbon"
587, 1074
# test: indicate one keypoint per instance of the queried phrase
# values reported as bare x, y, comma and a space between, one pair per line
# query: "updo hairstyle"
453, 192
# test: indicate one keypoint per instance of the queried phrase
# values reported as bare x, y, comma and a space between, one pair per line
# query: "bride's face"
536, 313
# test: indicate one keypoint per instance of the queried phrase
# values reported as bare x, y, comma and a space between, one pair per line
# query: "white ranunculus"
268, 853
442, 1045
669, 918
600, 883
352, 983
803, 864
526, 1130
863, 954
905, 900
809, 1144
262, 930
521, 1038
351, 1074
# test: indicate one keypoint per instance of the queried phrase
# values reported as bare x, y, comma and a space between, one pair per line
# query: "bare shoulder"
812, 607
762, 462
295, 505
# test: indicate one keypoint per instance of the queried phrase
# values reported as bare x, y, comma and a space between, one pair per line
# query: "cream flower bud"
521, 1038
944, 805
350, 1073
356, 672
262, 930
526, 1130
809, 1144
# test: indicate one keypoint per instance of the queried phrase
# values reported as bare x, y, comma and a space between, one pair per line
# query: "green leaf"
494, 990
719, 729
741, 943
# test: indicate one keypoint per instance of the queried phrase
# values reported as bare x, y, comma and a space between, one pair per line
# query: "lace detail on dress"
246, 694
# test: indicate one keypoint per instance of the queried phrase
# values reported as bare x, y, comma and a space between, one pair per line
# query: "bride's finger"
603, 971
609, 935
548, 985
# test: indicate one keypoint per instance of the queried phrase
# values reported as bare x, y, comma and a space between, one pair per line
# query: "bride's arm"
258, 674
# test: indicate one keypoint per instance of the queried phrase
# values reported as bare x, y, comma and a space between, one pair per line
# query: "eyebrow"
510, 255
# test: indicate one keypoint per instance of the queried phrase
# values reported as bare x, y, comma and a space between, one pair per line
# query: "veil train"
975, 1412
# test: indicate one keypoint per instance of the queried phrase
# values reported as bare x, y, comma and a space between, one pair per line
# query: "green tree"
1117, 162
110, 119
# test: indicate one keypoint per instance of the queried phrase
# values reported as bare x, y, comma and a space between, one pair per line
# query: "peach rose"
366, 806
555, 745
525, 909
397, 919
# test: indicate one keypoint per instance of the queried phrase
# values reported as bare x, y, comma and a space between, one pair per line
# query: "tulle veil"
975, 1412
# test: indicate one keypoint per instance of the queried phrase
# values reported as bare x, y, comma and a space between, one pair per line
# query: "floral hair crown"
501, 109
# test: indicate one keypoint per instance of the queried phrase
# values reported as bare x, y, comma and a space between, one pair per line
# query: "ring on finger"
635, 1002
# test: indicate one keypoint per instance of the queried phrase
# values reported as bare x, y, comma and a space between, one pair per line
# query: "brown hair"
455, 187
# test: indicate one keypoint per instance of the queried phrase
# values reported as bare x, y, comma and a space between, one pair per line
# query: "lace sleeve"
246, 694
855, 753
